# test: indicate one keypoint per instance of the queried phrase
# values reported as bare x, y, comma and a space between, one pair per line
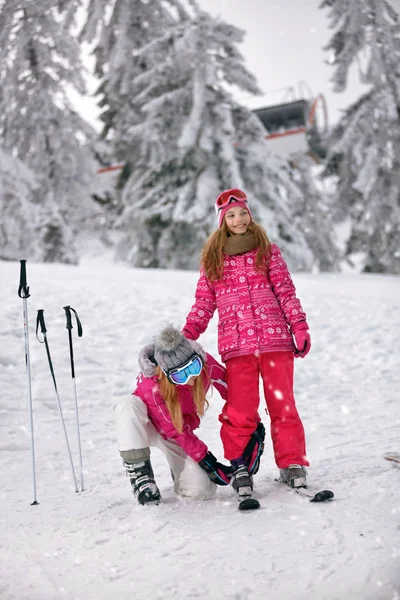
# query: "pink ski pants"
239, 415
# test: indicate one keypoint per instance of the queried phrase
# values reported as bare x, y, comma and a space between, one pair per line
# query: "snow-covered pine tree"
40, 61
118, 29
365, 146
17, 207
193, 141
313, 212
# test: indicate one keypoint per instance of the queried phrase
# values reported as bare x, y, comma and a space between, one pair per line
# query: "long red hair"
169, 393
212, 256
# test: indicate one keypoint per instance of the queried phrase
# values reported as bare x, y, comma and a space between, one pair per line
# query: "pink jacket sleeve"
285, 292
202, 309
161, 419
217, 375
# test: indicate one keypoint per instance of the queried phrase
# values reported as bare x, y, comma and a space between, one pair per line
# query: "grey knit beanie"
172, 349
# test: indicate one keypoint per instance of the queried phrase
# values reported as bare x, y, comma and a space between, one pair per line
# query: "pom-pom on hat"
228, 199
172, 349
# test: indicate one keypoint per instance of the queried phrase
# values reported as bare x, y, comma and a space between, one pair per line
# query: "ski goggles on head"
181, 375
229, 196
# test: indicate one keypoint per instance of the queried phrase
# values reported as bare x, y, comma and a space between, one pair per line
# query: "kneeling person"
163, 412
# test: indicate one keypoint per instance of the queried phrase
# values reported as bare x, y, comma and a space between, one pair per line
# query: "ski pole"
40, 321
68, 315
23, 292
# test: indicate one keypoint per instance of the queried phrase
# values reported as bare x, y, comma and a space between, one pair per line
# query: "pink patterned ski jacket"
148, 390
257, 312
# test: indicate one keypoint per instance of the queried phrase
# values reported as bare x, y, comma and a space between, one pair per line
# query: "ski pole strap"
23, 290
40, 321
68, 310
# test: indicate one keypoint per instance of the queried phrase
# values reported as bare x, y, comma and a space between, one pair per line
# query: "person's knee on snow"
193, 482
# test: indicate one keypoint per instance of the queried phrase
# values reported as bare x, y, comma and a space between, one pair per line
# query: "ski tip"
323, 496
393, 456
249, 504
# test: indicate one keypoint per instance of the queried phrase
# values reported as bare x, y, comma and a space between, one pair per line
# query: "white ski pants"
135, 431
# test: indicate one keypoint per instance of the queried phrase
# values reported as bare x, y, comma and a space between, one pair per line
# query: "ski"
320, 496
393, 457
248, 504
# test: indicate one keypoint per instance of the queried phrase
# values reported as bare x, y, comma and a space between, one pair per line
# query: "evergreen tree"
40, 60
365, 146
313, 213
26, 228
119, 29
193, 141
19, 208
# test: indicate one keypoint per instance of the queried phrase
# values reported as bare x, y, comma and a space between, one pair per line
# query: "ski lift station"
296, 125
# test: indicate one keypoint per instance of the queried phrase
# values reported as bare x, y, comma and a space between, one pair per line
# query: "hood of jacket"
148, 364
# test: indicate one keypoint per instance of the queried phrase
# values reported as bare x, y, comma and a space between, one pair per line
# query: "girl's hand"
303, 343
217, 472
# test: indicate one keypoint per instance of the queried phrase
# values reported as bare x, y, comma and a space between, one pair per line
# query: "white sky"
283, 46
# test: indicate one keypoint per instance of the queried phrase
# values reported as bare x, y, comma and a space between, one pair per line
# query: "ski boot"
242, 483
295, 476
142, 481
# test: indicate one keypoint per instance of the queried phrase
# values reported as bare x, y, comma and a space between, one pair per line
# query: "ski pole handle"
69, 320
40, 321
23, 290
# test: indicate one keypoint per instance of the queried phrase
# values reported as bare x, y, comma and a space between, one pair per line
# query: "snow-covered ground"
100, 544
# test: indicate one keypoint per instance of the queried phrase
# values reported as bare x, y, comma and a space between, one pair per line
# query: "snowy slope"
99, 544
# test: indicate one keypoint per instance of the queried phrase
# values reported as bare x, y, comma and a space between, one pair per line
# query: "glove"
190, 332
303, 343
217, 472
254, 449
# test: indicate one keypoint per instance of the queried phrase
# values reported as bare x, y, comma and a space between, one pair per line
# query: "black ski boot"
242, 482
142, 481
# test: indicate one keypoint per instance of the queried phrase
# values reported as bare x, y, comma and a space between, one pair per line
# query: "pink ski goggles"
229, 196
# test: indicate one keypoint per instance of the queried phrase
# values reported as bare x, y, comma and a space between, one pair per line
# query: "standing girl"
163, 411
261, 328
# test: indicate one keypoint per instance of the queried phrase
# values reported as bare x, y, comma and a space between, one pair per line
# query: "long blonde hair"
169, 393
212, 255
